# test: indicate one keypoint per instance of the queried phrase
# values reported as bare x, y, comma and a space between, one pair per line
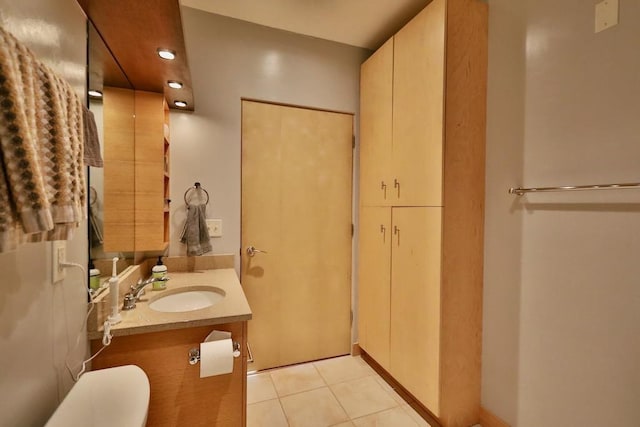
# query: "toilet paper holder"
194, 353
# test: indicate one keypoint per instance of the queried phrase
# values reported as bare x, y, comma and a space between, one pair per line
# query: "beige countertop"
142, 319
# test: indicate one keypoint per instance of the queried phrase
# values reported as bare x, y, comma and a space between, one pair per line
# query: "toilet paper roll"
216, 357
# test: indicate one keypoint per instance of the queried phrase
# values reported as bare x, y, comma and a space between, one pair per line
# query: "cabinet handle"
396, 231
383, 187
383, 230
396, 184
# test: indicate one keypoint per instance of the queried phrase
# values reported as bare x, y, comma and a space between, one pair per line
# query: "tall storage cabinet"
151, 177
136, 175
423, 107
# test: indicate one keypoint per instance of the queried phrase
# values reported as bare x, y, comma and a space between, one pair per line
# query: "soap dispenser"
94, 276
159, 271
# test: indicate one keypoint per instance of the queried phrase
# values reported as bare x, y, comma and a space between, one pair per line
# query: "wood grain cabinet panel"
179, 397
119, 170
151, 177
435, 210
136, 171
418, 105
415, 302
376, 96
375, 288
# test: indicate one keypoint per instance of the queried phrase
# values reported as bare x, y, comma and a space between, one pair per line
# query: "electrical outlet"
59, 255
215, 227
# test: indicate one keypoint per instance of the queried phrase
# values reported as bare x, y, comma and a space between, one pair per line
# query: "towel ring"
93, 196
195, 187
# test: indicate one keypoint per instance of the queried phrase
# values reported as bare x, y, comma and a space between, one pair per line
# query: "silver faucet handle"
129, 302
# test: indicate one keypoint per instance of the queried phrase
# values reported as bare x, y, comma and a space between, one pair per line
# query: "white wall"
40, 321
562, 294
231, 59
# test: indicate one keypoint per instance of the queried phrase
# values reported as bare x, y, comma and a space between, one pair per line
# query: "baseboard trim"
356, 350
488, 419
406, 396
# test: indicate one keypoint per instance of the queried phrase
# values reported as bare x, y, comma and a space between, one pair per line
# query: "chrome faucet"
137, 291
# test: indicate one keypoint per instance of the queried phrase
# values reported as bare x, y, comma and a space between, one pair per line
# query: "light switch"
215, 227
606, 15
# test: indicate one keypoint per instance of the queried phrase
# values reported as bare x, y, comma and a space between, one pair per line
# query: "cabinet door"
149, 172
376, 84
374, 272
119, 170
418, 104
415, 301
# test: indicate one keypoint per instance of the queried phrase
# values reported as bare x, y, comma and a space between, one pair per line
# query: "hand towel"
195, 233
42, 182
24, 206
92, 156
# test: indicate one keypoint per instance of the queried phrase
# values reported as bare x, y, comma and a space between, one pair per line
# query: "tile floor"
343, 391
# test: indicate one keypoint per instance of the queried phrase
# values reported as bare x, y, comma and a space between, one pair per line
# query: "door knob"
251, 251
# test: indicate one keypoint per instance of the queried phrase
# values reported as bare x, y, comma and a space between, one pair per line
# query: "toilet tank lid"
106, 397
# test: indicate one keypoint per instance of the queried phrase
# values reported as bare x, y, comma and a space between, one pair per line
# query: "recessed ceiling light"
180, 104
166, 54
95, 94
174, 84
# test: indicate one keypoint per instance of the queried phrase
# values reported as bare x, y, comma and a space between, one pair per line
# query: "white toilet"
107, 397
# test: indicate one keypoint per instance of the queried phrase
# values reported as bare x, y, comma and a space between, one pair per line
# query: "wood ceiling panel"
134, 30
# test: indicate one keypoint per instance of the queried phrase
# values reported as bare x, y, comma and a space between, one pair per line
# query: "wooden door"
418, 104
415, 301
296, 208
374, 279
376, 87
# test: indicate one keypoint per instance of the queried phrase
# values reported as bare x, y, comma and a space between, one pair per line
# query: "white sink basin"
187, 299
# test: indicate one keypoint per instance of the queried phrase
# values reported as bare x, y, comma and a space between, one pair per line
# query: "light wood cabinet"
415, 305
179, 397
374, 278
401, 109
376, 97
151, 175
136, 172
418, 104
119, 170
420, 293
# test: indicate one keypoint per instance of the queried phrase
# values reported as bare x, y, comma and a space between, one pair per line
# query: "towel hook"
195, 187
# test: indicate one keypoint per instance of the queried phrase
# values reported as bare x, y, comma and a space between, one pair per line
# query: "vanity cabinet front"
179, 397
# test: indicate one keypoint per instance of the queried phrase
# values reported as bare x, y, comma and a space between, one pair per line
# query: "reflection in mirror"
107, 79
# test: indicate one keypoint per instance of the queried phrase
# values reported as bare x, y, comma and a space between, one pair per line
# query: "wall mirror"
108, 79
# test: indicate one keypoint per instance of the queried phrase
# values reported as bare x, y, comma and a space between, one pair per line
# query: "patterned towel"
42, 185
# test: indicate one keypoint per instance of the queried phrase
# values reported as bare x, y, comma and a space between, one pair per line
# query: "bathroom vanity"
159, 342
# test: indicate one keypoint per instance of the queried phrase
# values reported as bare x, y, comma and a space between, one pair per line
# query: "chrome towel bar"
626, 186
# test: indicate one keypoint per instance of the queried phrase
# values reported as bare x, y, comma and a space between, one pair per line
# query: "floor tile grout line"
368, 374
284, 412
301, 391
340, 403
397, 405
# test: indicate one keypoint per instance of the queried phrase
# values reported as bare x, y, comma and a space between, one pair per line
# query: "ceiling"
361, 23
132, 34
